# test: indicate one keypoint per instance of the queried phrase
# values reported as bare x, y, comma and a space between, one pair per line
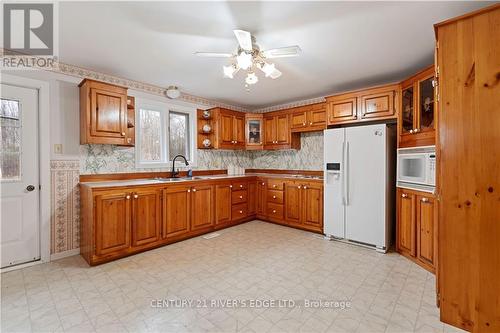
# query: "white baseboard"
60, 255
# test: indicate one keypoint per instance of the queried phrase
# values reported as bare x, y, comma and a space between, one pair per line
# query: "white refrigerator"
359, 184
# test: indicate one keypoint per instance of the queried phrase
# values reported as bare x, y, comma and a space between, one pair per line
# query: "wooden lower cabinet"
304, 205
176, 211
417, 227
112, 222
119, 221
202, 211
146, 216
223, 204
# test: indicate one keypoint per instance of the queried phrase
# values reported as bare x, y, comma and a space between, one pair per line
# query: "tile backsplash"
95, 159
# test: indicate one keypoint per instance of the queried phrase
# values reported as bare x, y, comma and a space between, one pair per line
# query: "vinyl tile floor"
254, 277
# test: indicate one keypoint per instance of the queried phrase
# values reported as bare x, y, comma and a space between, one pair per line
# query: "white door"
333, 219
366, 180
19, 175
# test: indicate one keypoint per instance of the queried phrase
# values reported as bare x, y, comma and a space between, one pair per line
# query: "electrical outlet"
58, 148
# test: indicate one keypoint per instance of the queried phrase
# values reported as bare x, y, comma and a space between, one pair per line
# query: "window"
10, 132
162, 132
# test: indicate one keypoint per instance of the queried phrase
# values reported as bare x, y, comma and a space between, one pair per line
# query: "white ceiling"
345, 45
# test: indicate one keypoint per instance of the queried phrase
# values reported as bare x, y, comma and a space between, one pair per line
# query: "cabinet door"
112, 218
406, 222
261, 197
425, 229
108, 114
146, 216
252, 198
270, 130
176, 211
299, 120
342, 110
426, 105
316, 118
223, 203
408, 110
377, 105
282, 129
202, 207
254, 132
313, 205
293, 202
239, 130
226, 130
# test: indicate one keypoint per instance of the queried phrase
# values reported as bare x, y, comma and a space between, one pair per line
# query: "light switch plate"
58, 148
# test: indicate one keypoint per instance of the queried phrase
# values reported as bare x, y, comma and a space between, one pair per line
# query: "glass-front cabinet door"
254, 131
407, 109
426, 104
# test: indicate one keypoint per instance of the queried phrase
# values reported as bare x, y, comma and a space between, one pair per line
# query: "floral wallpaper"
95, 159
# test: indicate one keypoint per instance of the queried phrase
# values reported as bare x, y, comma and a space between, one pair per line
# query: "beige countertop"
164, 181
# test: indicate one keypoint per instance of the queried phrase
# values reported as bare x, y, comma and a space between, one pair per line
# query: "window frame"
165, 109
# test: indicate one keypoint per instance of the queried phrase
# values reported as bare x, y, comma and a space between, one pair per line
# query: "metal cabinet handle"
241, 212
194, 190
299, 187
415, 130
30, 188
230, 186
274, 197
310, 123
424, 200
189, 190
241, 186
263, 184
304, 123
241, 197
411, 131
305, 187
404, 195
127, 197
135, 196
274, 211
123, 133
274, 186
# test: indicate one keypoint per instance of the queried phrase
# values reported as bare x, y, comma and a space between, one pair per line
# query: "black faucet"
175, 173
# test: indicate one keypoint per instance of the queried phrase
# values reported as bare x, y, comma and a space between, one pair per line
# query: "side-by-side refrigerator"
359, 184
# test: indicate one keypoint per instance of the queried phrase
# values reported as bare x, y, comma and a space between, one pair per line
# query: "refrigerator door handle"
343, 174
346, 173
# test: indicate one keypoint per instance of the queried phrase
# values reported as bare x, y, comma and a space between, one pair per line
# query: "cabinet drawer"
239, 196
239, 211
274, 184
236, 186
275, 196
275, 211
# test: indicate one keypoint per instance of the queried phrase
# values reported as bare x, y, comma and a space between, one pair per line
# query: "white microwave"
417, 166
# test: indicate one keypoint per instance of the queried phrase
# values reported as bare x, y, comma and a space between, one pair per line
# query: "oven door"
412, 168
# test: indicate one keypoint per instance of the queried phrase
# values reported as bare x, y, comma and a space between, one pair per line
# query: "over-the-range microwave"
416, 168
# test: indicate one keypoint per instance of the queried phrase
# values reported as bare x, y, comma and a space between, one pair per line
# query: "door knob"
30, 188
305, 187
241, 197
194, 190
274, 197
425, 200
404, 195
135, 196
123, 133
127, 197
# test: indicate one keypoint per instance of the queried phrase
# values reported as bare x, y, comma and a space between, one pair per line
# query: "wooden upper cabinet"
223, 203
426, 225
278, 133
103, 114
202, 210
146, 216
308, 118
416, 125
112, 222
377, 103
231, 128
176, 211
341, 109
406, 233
254, 131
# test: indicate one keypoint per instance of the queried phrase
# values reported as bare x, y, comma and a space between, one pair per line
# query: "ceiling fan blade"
213, 54
244, 39
281, 52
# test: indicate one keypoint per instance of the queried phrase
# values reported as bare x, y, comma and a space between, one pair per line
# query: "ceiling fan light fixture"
244, 60
251, 78
173, 92
229, 71
268, 69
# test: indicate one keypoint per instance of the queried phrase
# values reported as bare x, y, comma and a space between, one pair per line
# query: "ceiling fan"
249, 57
